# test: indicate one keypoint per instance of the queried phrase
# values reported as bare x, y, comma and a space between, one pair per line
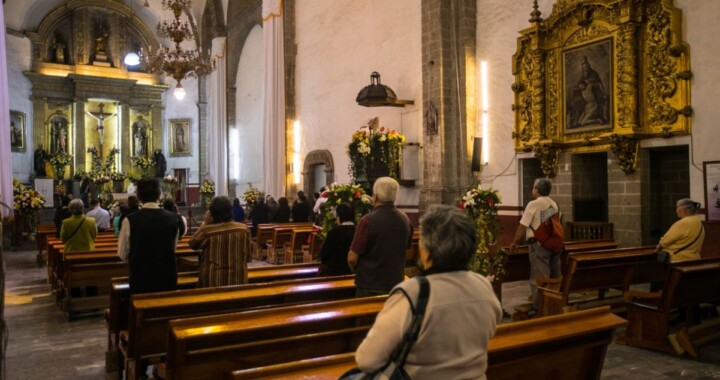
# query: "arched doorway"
314, 161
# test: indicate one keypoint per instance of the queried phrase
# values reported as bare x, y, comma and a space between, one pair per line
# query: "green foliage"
482, 206
353, 195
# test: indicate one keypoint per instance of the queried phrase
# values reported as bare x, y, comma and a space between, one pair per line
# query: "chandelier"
177, 62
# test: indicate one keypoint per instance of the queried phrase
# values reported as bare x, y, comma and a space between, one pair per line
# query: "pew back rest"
691, 285
150, 313
212, 347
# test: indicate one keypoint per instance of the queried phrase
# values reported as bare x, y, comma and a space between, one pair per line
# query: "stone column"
449, 34
625, 199
124, 135
39, 117
217, 131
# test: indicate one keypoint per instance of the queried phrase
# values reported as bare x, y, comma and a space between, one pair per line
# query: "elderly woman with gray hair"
461, 313
684, 240
78, 232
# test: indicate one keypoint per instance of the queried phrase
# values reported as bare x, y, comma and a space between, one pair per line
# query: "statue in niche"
39, 158
58, 134
160, 163
139, 131
59, 50
100, 41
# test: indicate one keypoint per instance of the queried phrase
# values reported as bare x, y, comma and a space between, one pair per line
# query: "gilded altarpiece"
600, 75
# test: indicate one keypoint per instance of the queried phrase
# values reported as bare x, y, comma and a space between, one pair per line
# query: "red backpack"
551, 234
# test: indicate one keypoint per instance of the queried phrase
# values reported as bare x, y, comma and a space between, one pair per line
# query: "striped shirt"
225, 248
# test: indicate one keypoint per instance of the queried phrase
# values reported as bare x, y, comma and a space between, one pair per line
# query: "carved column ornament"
594, 68
548, 157
626, 150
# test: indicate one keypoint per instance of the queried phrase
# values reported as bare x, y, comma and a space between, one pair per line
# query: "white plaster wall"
340, 43
249, 112
499, 23
18, 60
187, 108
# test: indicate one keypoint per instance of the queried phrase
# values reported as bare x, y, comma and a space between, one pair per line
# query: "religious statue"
100, 41
58, 134
39, 158
59, 49
139, 131
160, 163
100, 117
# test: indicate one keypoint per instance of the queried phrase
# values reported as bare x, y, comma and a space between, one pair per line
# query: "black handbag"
394, 369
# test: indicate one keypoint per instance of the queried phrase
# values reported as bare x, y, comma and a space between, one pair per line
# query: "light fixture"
177, 62
179, 92
296, 152
132, 59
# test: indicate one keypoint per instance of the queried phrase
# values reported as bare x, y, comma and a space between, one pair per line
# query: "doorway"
590, 187
669, 182
531, 170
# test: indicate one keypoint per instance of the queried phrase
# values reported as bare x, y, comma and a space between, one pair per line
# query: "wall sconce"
485, 113
296, 152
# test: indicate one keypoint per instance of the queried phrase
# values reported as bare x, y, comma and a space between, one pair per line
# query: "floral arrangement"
60, 159
207, 187
353, 195
207, 191
26, 199
365, 141
143, 162
170, 179
117, 176
252, 195
169, 184
482, 206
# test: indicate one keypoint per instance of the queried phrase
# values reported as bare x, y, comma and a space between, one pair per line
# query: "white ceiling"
25, 15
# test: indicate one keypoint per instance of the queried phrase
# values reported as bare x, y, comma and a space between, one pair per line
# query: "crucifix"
100, 117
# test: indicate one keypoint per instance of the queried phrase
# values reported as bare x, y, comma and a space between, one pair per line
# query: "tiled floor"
43, 345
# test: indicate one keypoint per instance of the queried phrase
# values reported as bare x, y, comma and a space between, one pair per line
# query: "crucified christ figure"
100, 117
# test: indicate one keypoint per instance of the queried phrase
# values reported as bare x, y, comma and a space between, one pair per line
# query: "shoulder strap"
413, 332
686, 246
76, 229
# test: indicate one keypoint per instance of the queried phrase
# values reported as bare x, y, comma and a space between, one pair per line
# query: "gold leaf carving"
625, 148
548, 157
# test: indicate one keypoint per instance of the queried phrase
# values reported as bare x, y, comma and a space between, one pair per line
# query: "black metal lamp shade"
379, 95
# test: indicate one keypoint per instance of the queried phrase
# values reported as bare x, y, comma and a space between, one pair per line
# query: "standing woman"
225, 245
684, 240
238, 211
301, 208
78, 232
282, 214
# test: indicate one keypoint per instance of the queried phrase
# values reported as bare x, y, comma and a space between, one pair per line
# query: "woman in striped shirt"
225, 245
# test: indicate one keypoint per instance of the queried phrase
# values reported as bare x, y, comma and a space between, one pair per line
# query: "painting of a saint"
588, 101
58, 134
180, 137
140, 133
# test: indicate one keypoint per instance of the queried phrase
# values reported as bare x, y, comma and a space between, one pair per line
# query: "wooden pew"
116, 317
563, 347
42, 234
517, 263
150, 313
212, 347
265, 237
298, 239
597, 271
688, 284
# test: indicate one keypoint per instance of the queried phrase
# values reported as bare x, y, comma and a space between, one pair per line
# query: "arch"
317, 157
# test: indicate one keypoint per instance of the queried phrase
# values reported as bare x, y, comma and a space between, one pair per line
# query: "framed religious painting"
180, 137
17, 131
711, 170
587, 87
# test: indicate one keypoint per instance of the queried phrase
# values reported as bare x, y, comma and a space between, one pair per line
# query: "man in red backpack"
543, 263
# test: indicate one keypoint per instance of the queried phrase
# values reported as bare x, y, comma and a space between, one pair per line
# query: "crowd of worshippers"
461, 311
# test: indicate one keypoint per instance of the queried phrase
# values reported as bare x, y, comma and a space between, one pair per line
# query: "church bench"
42, 234
116, 317
688, 284
298, 239
150, 313
596, 271
212, 347
264, 236
567, 346
517, 262
278, 243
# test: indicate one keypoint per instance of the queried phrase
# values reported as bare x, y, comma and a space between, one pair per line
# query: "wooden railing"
589, 230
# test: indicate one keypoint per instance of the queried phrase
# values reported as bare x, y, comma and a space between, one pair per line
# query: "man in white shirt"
101, 216
543, 263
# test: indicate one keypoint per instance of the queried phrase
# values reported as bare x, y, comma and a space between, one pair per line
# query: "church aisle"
43, 345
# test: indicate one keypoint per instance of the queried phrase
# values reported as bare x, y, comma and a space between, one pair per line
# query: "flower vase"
205, 200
